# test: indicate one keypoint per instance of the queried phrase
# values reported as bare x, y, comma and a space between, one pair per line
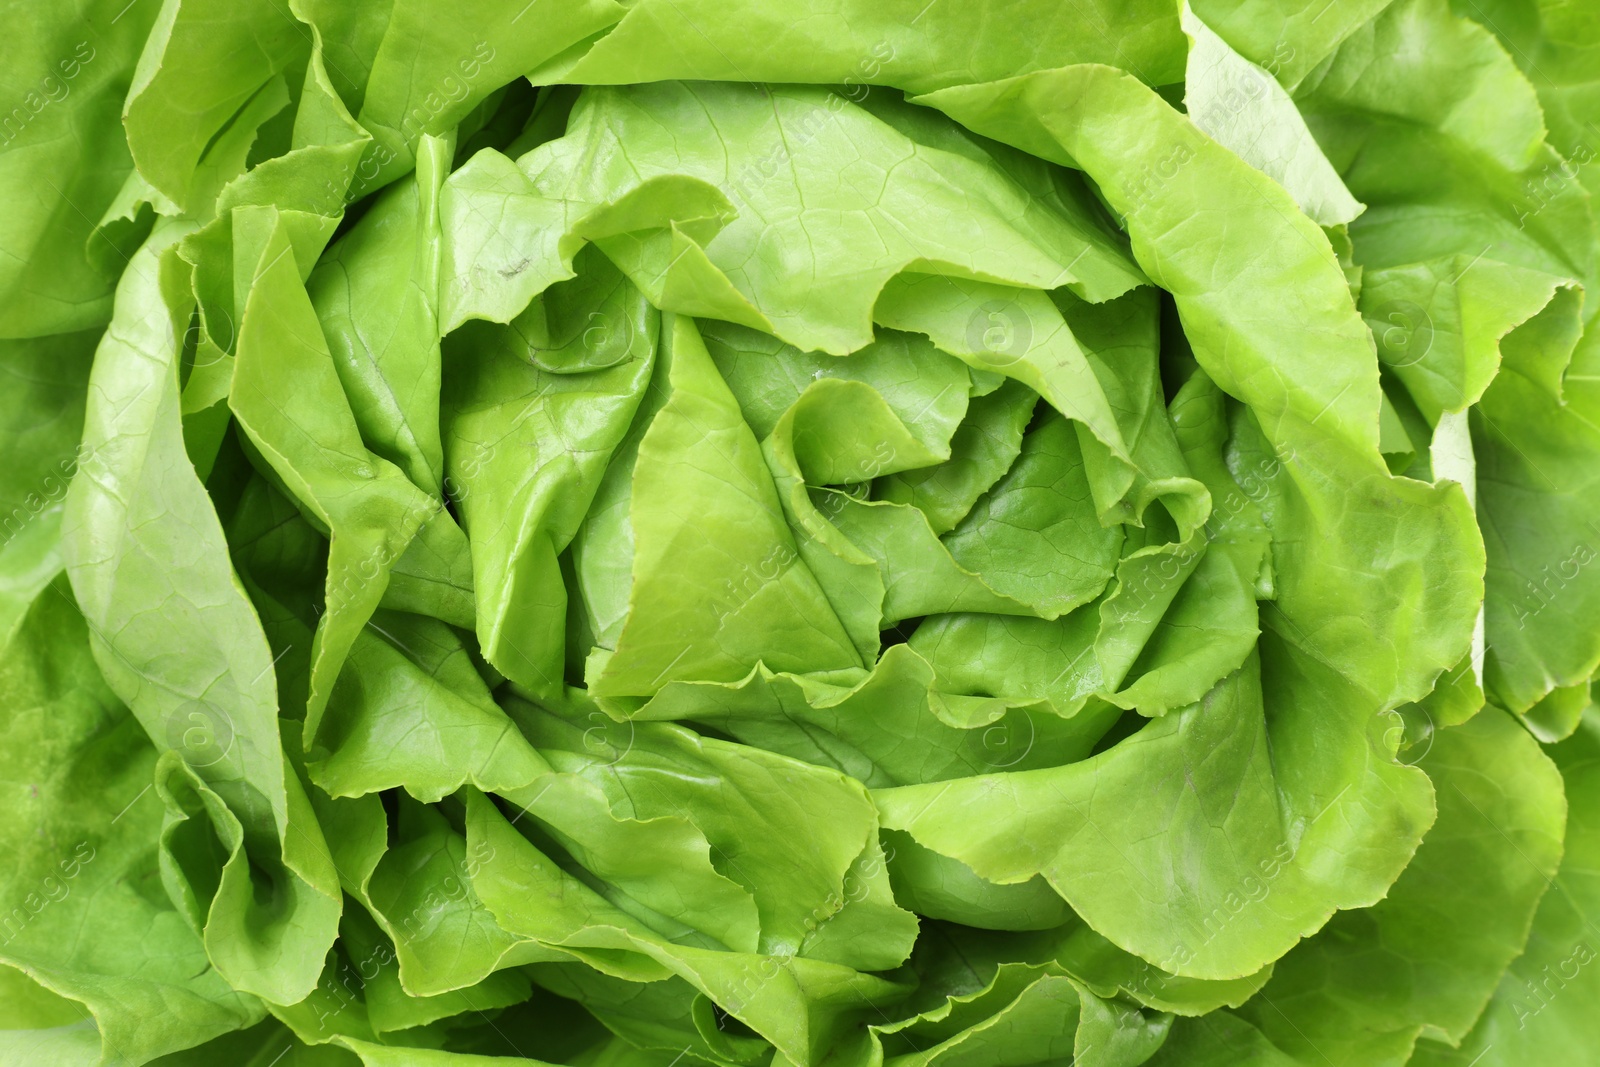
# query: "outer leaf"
804, 1007
88, 949
410, 711
1220, 1039
63, 159
1183, 844
1240, 106
1541, 1011
203, 61
1428, 956
41, 421
838, 41
424, 74
1438, 71
140, 530
715, 264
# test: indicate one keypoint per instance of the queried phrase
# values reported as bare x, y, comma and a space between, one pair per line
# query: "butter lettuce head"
799, 534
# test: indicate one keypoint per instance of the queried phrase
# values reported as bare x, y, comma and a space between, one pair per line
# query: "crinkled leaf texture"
799, 533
